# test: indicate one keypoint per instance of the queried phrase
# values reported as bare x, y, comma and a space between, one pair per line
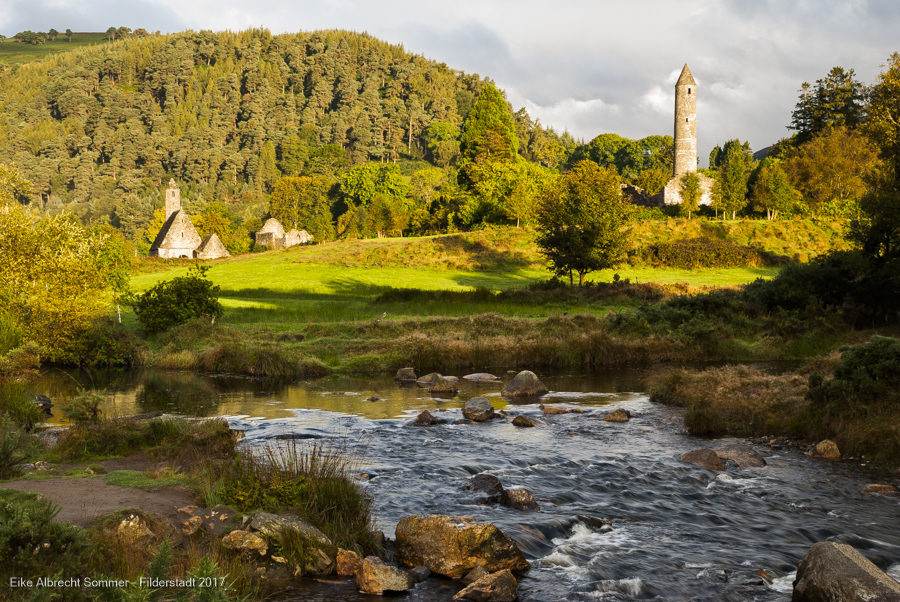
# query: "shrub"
178, 300
866, 381
84, 407
17, 403
14, 447
106, 343
33, 545
19, 363
704, 252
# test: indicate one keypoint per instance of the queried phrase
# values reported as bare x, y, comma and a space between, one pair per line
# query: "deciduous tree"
582, 221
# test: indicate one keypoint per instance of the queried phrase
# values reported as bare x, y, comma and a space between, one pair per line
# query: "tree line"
99, 131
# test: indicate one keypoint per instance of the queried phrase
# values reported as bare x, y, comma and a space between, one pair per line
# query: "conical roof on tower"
686, 78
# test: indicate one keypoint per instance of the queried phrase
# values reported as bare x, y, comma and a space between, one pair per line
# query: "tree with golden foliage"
830, 171
56, 276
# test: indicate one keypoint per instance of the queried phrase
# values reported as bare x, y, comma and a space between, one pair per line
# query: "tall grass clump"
733, 400
316, 481
170, 438
260, 360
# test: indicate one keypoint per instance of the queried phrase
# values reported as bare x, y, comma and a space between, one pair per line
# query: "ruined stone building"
272, 235
178, 238
685, 143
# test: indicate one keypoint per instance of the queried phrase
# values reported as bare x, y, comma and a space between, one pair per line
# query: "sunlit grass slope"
17, 53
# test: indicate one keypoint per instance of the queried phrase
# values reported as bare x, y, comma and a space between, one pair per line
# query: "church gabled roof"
177, 233
212, 247
686, 78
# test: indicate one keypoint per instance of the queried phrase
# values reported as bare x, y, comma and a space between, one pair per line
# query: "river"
679, 532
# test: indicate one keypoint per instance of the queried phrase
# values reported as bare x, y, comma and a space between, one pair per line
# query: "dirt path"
83, 500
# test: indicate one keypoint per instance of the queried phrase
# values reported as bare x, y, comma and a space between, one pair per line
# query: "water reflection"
189, 393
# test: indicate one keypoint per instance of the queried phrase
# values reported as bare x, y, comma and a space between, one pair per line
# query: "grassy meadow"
455, 301
18, 53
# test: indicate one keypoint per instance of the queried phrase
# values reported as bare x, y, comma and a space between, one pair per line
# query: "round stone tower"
685, 123
173, 199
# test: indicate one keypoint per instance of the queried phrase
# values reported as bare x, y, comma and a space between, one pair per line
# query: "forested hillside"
230, 116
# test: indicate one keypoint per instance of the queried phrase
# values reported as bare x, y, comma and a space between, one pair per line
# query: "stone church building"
178, 238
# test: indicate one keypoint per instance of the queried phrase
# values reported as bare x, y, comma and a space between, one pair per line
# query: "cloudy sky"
589, 66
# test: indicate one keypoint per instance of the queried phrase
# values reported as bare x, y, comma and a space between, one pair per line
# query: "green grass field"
338, 281
337, 306
17, 53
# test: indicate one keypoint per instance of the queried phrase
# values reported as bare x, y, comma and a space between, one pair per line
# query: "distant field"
16, 53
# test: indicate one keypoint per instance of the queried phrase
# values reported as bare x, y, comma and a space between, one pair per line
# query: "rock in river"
619, 415
442, 386
454, 545
523, 421
879, 488
525, 384
496, 587
704, 458
347, 563
425, 419
834, 572
428, 379
405, 375
376, 577
519, 499
742, 455
480, 376
485, 483
478, 409
474, 575
827, 450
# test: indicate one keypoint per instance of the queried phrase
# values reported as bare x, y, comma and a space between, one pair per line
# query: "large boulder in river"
525, 384
376, 577
454, 545
442, 386
704, 458
834, 572
496, 587
742, 455
405, 375
827, 450
478, 409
